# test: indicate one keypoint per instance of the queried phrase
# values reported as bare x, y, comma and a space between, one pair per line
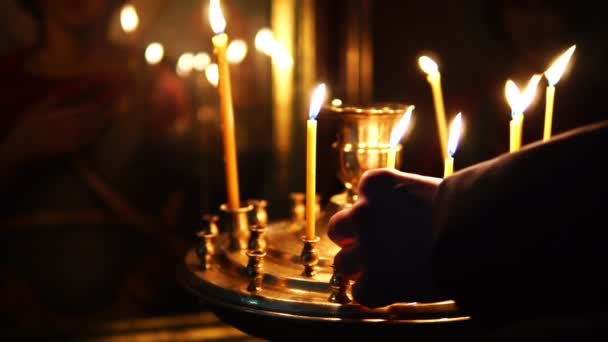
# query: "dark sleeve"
525, 234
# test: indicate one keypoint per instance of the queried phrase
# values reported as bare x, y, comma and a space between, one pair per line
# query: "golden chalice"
362, 143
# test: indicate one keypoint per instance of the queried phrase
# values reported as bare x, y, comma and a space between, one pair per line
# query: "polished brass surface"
257, 242
340, 287
309, 256
255, 270
237, 221
260, 216
283, 293
362, 141
206, 248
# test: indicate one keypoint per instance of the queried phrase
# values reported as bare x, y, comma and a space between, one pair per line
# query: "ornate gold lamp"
255, 281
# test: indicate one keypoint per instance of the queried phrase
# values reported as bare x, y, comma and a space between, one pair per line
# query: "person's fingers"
343, 225
348, 261
377, 183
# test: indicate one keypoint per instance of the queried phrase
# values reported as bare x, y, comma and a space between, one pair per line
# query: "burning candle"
434, 78
518, 102
316, 101
220, 43
553, 74
396, 134
454, 137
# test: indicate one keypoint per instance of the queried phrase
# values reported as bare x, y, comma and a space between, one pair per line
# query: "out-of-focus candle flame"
200, 61
236, 51
556, 70
154, 53
519, 101
336, 102
185, 63
428, 65
401, 127
454, 136
212, 74
268, 45
316, 101
129, 20
216, 18
264, 41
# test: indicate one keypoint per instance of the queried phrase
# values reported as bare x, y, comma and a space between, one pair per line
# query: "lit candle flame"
236, 51
428, 65
212, 74
129, 20
336, 102
154, 53
556, 70
316, 101
216, 18
401, 127
454, 136
519, 101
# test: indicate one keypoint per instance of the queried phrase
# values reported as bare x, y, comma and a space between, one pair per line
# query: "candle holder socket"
257, 241
309, 256
260, 215
238, 225
298, 207
206, 248
339, 286
255, 270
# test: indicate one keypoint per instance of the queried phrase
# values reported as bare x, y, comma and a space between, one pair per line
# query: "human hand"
386, 238
51, 128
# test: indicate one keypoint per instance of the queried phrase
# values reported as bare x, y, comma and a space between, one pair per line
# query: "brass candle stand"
264, 278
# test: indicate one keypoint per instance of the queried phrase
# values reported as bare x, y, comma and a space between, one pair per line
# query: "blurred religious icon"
96, 161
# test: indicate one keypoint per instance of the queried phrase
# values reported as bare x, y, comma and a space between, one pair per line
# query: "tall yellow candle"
515, 132
549, 99
396, 135
519, 101
553, 75
220, 44
433, 76
318, 96
454, 137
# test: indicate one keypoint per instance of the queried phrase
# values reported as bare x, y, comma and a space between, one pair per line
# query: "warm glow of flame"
129, 20
316, 101
212, 74
517, 100
264, 41
200, 61
216, 18
556, 70
282, 58
512, 95
336, 102
428, 65
236, 52
401, 127
530, 92
154, 53
454, 136
185, 64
